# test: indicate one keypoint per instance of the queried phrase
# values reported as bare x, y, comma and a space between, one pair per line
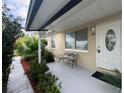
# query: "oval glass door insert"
110, 40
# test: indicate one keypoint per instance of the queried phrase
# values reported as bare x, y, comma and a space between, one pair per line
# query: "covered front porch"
64, 24
79, 80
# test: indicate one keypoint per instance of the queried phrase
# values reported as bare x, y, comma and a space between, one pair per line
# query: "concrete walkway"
18, 81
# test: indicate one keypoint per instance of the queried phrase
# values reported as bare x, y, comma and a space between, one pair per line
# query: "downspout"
39, 47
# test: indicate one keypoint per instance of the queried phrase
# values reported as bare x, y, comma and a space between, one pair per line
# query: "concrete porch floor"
79, 80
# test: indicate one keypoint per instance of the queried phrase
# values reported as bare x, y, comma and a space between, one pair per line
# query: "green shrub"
47, 83
43, 43
26, 46
46, 80
11, 30
37, 69
48, 56
31, 57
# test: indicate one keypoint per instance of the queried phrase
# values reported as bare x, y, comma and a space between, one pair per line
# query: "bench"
69, 57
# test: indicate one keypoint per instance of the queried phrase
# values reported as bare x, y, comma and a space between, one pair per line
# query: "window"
110, 40
77, 40
53, 42
81, 39
70, 40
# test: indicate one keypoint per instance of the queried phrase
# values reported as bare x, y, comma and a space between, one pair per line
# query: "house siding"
85, 59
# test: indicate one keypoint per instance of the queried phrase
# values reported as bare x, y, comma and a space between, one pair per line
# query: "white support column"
39, 47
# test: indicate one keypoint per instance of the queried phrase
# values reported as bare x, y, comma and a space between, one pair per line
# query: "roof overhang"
42, 13
61, 15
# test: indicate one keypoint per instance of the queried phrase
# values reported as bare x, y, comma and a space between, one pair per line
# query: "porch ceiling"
61, 15
85, 12
43, 12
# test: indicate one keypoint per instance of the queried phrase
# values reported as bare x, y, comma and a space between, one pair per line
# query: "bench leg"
63, 60
76, 64
72, 65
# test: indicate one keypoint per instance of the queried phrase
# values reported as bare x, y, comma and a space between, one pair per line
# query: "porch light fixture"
93, 29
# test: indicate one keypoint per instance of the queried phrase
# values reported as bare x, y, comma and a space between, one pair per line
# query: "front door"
109, 45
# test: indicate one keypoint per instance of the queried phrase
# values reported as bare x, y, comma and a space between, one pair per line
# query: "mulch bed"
26, 68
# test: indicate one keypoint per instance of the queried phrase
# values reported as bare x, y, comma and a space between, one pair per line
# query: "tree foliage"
11, 30
27, 47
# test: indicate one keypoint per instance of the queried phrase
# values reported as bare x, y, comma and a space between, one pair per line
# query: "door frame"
97, 28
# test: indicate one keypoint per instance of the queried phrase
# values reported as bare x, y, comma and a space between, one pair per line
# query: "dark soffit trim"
61, 12
34, 11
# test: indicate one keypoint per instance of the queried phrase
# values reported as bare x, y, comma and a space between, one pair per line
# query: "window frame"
77, 50
53, 36
74, 40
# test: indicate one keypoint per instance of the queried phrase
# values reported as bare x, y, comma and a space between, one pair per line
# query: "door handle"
98, 50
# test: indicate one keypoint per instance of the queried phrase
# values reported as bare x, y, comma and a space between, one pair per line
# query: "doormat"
97, 75
108, 79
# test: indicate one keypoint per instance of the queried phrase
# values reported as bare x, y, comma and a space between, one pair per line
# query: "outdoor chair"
69, 57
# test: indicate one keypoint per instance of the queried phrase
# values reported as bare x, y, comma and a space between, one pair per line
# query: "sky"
18, 8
